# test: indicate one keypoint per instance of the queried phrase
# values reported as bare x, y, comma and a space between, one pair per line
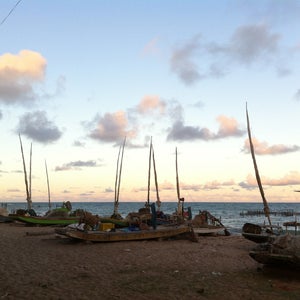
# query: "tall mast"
266, 207
30, 168
28, 196
49, 202
118, 178
158, 202
179, 206
149, 172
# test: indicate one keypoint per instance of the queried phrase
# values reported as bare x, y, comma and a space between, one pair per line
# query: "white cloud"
19, 74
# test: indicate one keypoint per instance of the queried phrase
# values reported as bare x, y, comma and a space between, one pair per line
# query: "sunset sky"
76, 77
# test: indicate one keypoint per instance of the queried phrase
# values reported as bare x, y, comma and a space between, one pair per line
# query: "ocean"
232, 215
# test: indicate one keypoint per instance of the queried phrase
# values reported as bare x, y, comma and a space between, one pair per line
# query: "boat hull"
258, 238
122, 235
274, 259
208, 230
43, 221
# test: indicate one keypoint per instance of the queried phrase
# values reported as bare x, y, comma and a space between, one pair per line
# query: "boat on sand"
261, 233
251, 231
205, 223
125, 234
61, 216
283, 251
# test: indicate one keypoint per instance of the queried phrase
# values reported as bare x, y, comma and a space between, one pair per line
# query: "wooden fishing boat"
125, 234
4, 215
5, 219
60, 216
205, 223
260, 233
283, 251
117, 222
46, 221
256, 232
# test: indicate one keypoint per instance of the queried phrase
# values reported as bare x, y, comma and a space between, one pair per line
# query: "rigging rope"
10, 12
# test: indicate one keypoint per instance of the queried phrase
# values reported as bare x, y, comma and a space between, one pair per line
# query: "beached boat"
4, 215
61, 216
46, 221
125, 234
261, 233
205, 223
255, 232
283, 251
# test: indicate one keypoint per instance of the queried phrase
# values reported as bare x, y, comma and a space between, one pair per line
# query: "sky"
77, 77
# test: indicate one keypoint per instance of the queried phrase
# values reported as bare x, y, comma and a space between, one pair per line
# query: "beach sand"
38, 264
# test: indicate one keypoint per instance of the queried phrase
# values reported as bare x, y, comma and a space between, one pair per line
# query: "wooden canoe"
126, 235
274, 259
44, 221
284, 251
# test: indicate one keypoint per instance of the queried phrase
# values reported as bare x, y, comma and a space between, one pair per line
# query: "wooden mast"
266, 207
28, 195
149, 173
49, 202
120, 171
30, 167
158, 202
118, 179
179, 205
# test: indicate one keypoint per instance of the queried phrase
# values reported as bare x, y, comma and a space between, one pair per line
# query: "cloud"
76, 165
35, 125
252, 42
182, 61
262, 148
108, 190
151, 104
152, 47
180, 132
78, 143
13, 190
112, 127
297, 95
248, 45
59, 88
292, 178
215, 185
1, 114
19, 74
228, 128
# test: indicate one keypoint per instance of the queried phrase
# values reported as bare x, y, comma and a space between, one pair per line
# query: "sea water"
230, 214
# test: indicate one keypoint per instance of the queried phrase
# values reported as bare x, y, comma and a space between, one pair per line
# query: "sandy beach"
38, 264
